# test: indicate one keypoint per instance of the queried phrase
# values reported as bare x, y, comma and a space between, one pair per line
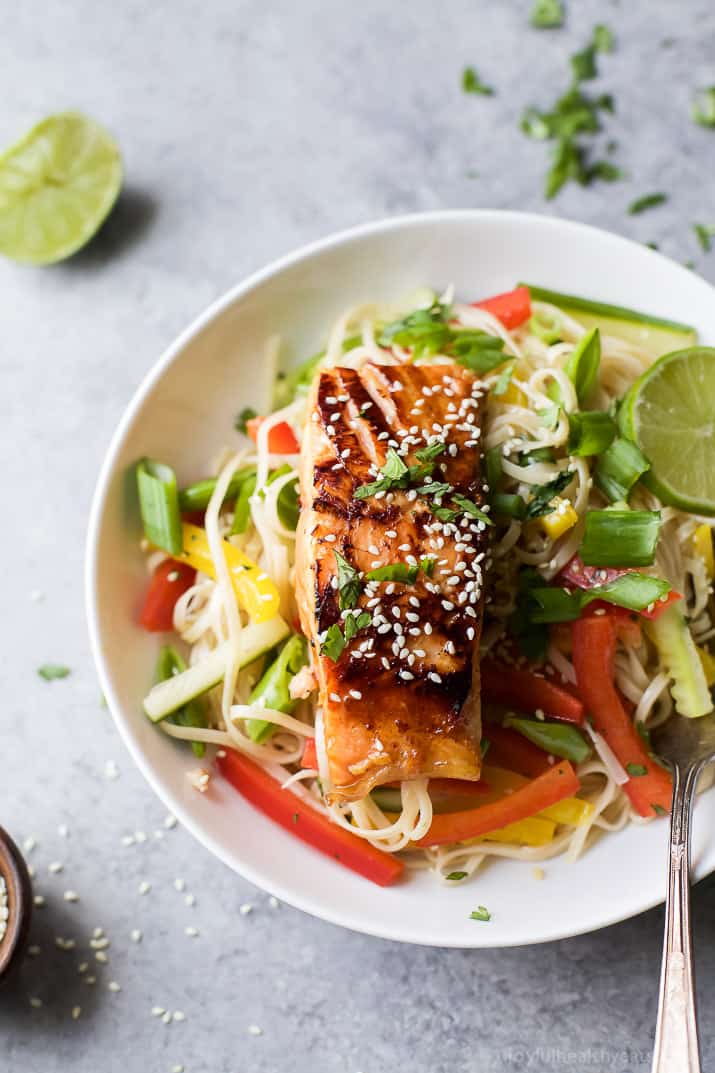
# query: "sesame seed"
411, 616
35, 1002
55, 867
99, 943
447, 605
273, 902
71, 896
178, 1015
166, 1017
179, 885
76, 1013
190, 900
330, 538
157, 1011
144, 887
356, 694
407, 675
101, 957
113, 986
135, 935
245, 909
391, 533
335, 697
428, 628
127, 840
254, 1030
192, 932
111, 771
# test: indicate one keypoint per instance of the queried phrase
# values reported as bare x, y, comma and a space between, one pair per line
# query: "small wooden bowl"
19, 902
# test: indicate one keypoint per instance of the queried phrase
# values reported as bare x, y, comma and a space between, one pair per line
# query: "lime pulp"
670, 413
57, 185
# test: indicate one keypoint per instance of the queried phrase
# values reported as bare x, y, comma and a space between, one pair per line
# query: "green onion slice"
555, 738
618, 469
583, 364
159, 505
197, 496
590, 433
620, 537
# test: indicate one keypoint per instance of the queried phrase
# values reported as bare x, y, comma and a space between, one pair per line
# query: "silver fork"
687, 745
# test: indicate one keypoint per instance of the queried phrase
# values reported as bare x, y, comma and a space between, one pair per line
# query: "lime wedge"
57, 185
670, 413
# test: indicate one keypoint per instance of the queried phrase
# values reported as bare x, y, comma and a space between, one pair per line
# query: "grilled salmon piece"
399, 685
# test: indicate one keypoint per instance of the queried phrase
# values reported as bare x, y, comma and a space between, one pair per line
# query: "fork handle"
676, 1048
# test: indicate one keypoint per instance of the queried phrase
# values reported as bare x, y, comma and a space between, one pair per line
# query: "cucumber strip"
256, 639
604, 309
679, 656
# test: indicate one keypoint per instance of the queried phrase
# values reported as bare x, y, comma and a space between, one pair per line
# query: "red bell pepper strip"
559, 782
169, 581
526, 691
281, 437
594, 647
510, 750
309, 758
301, 819
512, 308
579, 575
628, 628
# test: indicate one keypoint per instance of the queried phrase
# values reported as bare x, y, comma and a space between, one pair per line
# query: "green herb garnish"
704, 235
241, 423
454, 877
349, 586
543, 494
432, 451
480, 913
471, 83
334, 643
466, 506
648, 201
51, 671
401, 572
634, 770
703, 107
547, 14
504, 379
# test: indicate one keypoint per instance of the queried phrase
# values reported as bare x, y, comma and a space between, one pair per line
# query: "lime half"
670, 413
57, 185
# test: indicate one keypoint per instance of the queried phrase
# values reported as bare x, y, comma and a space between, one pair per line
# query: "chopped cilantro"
241, 423
636, 769
425, 331
427, 565
703, 107
704, 236
466, 506
648, 201
454, 877
471, 83
543, 494
394, 572
480, 913
432, 451
603, 38
574, 115
50, 671
547, 14
394, 467
334, 643
348, 583
659, 810
436, 489
354, 623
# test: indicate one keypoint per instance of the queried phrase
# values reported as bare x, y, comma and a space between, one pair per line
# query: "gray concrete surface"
247, 129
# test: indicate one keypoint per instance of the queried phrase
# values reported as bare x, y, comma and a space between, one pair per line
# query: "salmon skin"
391, 483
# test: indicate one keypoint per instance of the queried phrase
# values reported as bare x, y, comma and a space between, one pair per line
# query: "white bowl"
184, 412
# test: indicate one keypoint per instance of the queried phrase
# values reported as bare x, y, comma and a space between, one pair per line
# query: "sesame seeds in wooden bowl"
15, 904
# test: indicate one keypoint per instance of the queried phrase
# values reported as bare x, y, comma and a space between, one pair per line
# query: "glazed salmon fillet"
389, 561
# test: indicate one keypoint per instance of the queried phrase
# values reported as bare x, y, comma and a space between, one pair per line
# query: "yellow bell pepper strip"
254, 590
534, 831
703, 546
559, 520
708, 662
573, 812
